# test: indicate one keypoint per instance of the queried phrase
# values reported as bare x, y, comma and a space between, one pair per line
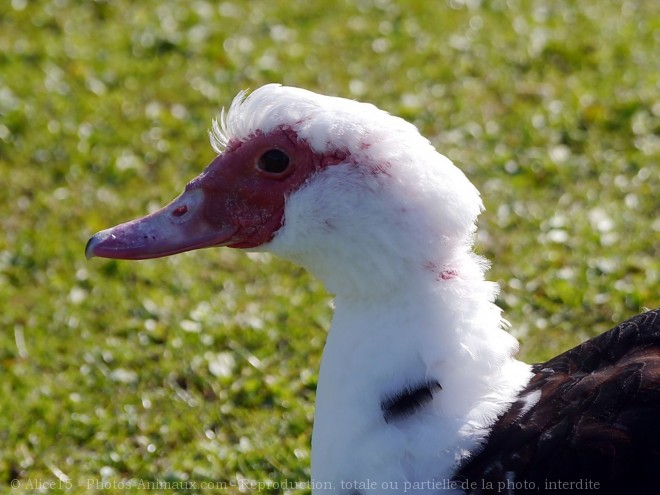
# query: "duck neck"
411, 381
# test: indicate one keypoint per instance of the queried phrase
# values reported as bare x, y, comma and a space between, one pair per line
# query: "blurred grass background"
203, 366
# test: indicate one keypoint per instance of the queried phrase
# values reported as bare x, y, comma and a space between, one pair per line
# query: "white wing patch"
529, 401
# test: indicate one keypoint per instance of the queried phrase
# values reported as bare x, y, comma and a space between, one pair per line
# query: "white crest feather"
222, 128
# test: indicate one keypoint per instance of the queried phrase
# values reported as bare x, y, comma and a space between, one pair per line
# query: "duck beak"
183, 225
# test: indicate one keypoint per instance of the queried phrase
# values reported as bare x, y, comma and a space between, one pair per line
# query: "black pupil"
273, 161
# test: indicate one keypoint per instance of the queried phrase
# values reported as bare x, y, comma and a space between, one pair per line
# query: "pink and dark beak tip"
90, 247
114, 243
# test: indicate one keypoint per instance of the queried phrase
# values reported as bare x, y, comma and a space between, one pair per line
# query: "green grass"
203, 366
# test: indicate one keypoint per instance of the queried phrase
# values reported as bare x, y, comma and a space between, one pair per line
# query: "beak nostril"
180, 211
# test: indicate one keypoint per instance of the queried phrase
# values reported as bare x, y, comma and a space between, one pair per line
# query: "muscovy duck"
419, 390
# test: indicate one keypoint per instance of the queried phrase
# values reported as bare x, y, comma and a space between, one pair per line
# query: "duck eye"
273, 161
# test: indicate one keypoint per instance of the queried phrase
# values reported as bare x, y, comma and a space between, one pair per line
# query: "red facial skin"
232, 203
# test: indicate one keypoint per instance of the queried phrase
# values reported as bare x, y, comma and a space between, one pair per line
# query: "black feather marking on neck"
408, 401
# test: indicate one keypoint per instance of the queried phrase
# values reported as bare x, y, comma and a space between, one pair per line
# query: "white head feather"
394, 197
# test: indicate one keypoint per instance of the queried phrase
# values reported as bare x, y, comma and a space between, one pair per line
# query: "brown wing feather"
597, 421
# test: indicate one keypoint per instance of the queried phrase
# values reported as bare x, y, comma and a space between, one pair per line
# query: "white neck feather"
374, 350
410, 306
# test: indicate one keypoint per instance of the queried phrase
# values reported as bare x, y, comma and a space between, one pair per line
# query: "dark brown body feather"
595, 427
